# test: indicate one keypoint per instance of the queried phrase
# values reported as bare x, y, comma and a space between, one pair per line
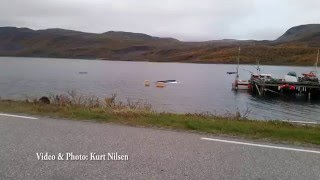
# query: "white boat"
246, 84
291, 77
239, 84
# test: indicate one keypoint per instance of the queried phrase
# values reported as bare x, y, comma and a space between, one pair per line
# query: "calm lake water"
203, 87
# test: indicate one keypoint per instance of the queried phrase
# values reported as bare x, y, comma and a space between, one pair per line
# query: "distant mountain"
134, 36
74, 44
296, 47
61, 32
304, 33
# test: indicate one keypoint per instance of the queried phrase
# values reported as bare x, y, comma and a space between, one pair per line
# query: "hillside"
304, 33
297, 46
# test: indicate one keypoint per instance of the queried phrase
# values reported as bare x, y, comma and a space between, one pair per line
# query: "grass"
139, 114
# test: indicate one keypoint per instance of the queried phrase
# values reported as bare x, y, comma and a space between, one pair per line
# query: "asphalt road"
153, 153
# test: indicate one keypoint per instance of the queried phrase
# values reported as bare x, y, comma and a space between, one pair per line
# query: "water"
203, 87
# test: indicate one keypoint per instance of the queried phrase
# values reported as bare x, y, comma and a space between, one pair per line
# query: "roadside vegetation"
138, 113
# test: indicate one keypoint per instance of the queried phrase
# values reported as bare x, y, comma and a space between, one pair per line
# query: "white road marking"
11, 115
302, 122
261, 145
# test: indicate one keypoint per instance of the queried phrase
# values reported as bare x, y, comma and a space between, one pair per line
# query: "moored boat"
160, 84
168, 81
312, 76
239, 84
265, 77
291, 77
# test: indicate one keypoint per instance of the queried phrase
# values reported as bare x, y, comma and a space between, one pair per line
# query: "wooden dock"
309, 89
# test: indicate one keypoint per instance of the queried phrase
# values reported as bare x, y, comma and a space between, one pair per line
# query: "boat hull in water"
241, 85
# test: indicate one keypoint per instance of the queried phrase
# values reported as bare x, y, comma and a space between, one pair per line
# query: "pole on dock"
258, 89
316, 63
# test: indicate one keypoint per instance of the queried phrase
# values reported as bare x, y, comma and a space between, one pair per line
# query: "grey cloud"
191, 20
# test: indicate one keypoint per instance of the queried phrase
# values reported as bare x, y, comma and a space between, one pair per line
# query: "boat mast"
237, 77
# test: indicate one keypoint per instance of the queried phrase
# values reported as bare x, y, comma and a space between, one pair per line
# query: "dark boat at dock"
168, 81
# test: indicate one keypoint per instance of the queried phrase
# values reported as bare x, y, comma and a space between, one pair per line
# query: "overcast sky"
188, 20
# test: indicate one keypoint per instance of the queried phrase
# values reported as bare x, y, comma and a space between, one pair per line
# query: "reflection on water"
203, 87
